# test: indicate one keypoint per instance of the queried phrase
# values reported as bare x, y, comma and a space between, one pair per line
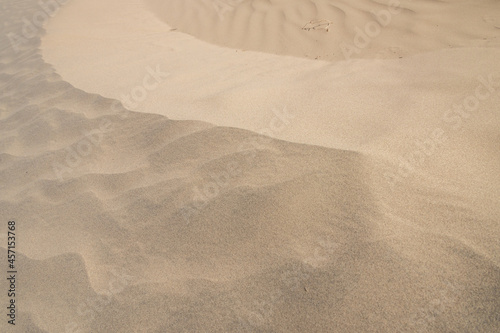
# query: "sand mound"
133, 222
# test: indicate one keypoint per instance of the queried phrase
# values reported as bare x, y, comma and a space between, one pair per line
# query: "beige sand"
370, 205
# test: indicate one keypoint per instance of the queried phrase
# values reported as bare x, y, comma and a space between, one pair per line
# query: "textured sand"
326, 29
370, 204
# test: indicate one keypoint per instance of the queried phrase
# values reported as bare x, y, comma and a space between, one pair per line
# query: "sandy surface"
229, 166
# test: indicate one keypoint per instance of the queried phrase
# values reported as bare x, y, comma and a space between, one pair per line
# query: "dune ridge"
133, 222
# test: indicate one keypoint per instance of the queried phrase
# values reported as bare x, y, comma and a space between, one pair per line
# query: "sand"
251, 165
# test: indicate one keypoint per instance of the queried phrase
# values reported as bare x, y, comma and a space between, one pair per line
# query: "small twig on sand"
317, 24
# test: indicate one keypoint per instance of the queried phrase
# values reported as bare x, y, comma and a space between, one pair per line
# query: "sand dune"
327, 104
371, 204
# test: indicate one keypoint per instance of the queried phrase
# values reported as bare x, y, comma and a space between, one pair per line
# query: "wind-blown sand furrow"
403, 24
